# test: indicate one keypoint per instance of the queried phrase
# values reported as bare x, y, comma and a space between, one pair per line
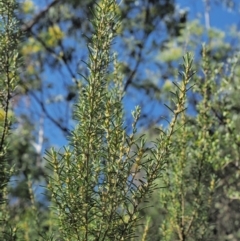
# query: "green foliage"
190, 178
9, 37
203, 146
95, 187
99, 185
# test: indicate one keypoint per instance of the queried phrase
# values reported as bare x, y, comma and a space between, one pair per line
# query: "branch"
63, 58
60, 126
28, 26
130, 78
42, 106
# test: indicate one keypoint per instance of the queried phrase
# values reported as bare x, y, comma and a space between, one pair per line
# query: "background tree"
154, 37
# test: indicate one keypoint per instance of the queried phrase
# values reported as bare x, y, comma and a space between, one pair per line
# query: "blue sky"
220, 17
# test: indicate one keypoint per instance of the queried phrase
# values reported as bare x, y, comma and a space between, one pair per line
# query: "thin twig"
29, 25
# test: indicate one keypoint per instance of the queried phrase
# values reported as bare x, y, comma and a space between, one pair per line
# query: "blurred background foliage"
151, 41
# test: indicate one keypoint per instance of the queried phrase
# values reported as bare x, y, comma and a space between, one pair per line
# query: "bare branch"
28, 26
